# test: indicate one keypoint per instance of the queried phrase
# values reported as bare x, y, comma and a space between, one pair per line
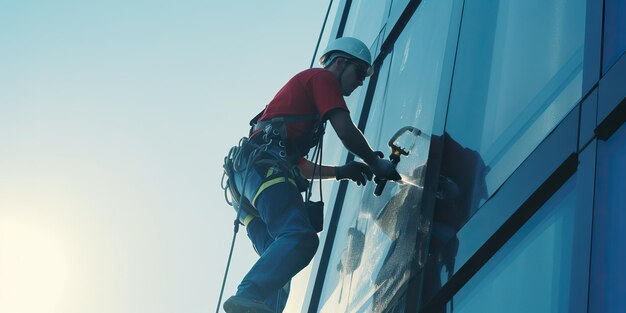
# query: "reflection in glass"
461, 187
518, 73
536, 270
374, 251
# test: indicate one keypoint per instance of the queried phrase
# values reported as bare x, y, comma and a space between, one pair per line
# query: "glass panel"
518, 73
614, 29
366, 19
608, 276
397, 7
537, 269
374, 249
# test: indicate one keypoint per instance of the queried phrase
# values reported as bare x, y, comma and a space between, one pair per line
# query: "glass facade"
487, 100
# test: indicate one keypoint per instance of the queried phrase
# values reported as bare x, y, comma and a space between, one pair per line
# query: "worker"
271, 171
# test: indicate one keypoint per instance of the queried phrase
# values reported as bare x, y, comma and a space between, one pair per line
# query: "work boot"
237, 304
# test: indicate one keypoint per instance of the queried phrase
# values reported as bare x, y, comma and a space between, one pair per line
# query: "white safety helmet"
352, 47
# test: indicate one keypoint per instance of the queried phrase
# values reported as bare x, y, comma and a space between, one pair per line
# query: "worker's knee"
307, 243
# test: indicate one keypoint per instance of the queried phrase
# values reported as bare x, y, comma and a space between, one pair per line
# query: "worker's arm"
353, 139
327, 172
356, 171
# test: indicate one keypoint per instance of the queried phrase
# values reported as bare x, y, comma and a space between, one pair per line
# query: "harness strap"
284, 119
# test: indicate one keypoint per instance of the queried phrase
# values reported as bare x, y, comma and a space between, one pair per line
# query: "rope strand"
230, 255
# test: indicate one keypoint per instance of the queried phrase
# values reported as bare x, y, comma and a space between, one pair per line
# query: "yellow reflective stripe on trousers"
247, 220
268, 184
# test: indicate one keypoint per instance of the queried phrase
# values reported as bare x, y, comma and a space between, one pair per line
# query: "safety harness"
251, 152
275, 129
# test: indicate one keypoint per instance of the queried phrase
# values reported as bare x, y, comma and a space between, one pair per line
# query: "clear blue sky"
115, 117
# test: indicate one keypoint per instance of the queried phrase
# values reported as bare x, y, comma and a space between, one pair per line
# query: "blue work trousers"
282, 235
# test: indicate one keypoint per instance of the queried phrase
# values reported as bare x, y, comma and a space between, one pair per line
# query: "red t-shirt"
312, 91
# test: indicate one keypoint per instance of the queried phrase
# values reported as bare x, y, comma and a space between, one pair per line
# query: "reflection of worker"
466, 168
401, 220
351, 258
268, 170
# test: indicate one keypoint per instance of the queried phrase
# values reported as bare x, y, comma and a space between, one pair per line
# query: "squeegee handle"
380, 183
380, 186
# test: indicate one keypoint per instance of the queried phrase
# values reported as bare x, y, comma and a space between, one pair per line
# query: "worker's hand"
359, 172
384, 169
